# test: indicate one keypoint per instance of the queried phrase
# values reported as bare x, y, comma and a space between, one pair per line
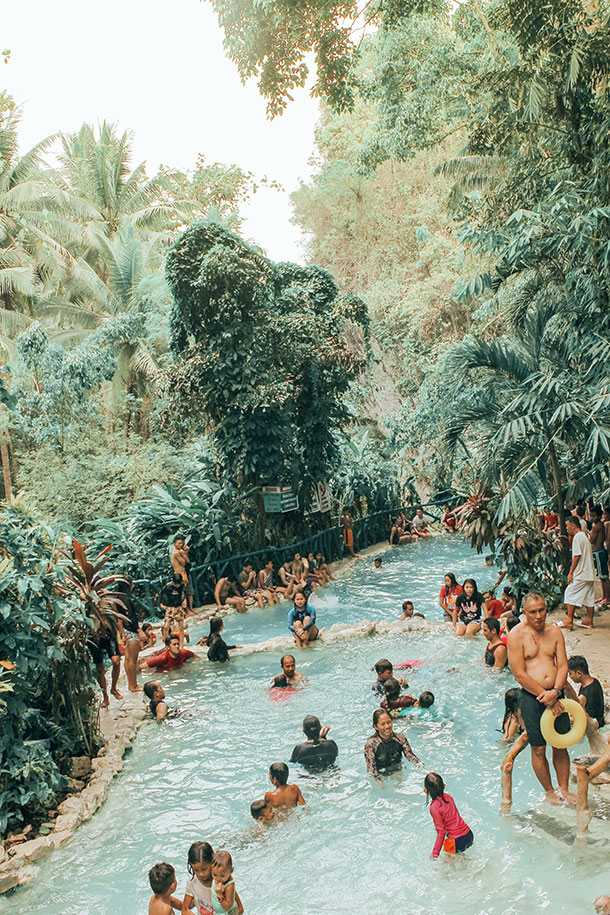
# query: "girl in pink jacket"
452, 832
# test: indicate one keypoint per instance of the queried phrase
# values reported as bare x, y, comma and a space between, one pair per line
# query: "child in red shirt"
452, 832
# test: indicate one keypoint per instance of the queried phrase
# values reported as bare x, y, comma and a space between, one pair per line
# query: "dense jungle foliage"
450, 331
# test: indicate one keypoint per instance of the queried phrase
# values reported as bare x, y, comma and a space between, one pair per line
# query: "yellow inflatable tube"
576, 732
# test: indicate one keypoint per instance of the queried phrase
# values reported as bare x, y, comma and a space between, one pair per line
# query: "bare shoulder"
515, 636
554, 634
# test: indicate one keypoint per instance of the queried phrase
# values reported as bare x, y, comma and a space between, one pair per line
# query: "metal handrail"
368, 530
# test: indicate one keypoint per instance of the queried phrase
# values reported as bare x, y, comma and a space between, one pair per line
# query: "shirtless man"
226, 592
597, 536
289, 671
180, 564
537, 656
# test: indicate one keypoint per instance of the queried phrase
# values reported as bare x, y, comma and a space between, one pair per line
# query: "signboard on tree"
279, 499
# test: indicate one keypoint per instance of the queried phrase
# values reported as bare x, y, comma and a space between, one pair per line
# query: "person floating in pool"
289, 676
394, 702
385, 671
316, 753
453, 834
383, 751
302, 621
537, 656
262, 811
225, 900
156, 694
162, 879
283, 795
378, 563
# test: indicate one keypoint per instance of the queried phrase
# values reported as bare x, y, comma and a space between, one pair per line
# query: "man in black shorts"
537, 656
100, 643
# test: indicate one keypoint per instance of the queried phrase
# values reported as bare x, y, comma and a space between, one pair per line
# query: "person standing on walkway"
348, 530
580, 591
597, 536
537, 656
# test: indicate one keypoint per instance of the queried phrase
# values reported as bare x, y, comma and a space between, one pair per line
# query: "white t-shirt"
582, 547
583, 525
419, 524
201, 894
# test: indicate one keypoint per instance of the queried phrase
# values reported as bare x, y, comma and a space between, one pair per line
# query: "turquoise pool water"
354, 848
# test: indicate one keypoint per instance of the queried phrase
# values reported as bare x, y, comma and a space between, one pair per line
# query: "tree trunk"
560, 499
6, 470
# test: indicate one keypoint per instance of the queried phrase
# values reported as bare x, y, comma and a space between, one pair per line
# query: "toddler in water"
394, 702
452, 832
162, 879
224, 898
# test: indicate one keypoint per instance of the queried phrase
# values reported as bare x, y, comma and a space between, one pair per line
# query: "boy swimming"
262, 811
284, 795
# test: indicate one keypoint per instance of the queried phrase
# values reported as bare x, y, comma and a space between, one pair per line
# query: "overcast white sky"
156, 67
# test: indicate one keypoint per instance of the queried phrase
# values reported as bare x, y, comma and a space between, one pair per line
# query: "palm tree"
539, 407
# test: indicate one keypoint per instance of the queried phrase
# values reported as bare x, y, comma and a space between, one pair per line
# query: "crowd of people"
517, 638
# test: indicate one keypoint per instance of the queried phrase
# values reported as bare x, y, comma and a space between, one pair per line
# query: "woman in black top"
383, 752
467, 612
218, 650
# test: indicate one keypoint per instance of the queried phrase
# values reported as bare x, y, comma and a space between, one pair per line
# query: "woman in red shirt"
448, 595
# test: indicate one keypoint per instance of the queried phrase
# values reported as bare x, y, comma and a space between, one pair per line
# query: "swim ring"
576, 732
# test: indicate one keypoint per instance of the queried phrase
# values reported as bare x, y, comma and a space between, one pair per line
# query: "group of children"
210, 886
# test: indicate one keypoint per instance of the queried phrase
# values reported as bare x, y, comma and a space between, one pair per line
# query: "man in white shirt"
580, 591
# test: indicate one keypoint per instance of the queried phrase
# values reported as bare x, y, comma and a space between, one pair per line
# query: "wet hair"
257, 807
511, 704
177, 578
199, 853
511, 622
296, 593
492, 623
407, 603
435, 786
377, 714
170, 638
391, 688
215, 627
377, 560
426, 699
312, 727
150, 688
279, 771
490, 592
178, 537
577, 662
222, 859
383, 665
283, 658
161, 876
452, 578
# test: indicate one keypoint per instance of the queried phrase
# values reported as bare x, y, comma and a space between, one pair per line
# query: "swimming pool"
354, 848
